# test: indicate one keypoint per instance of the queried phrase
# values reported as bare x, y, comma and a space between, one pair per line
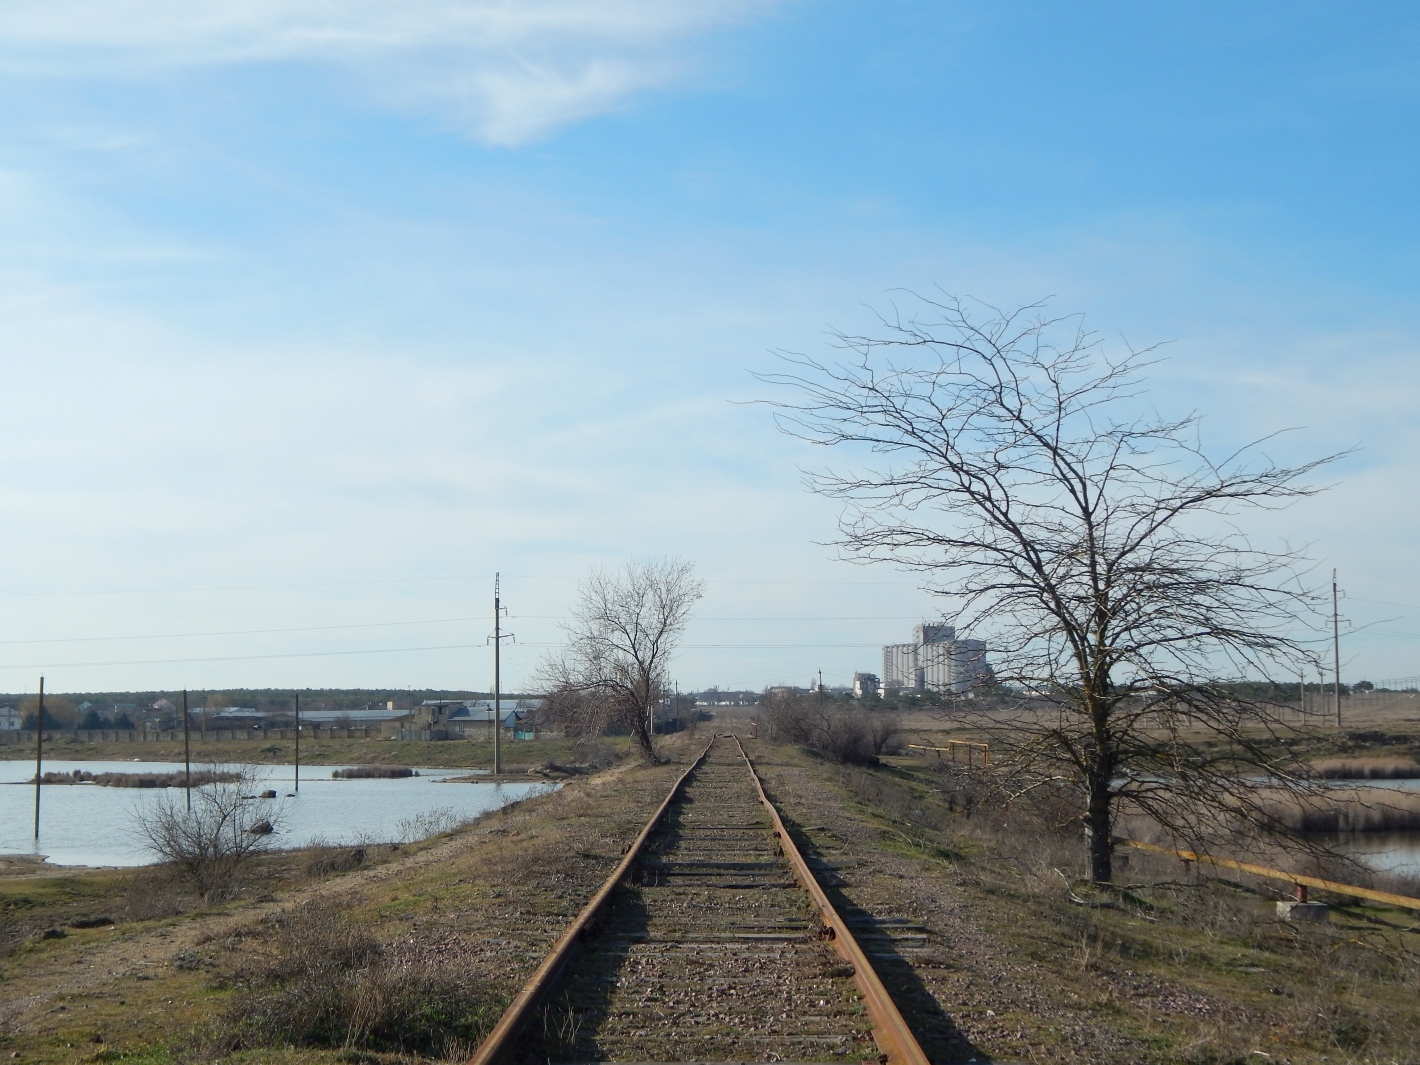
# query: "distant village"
935, 663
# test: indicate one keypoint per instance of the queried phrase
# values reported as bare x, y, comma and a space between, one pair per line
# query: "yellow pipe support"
894, 1038
951, 746
1277, 874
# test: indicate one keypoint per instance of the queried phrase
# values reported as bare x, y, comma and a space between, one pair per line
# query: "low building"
865, 684
9, 719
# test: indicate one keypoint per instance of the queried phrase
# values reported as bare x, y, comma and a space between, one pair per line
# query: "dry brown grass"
1366, 769
1358, 809
327, 982
1340, 992
377, 772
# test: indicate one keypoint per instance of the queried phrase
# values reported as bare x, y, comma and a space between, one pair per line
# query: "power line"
415, 580
234, 632
243, 658
400, 650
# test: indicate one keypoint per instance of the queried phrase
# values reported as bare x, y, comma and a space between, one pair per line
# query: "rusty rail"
1302, 882
891, 1033
894, 1038
500, 1040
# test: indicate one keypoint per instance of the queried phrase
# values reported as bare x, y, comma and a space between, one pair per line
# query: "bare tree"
210, 842
1091, 542
623, 633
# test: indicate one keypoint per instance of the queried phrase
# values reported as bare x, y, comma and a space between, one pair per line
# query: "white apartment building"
936, 660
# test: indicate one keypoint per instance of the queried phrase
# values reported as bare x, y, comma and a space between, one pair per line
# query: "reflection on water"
85, 824
1385, 852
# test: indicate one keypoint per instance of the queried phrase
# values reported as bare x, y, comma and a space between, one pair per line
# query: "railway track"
710, 942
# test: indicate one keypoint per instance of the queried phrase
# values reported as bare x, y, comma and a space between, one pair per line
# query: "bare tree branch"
623, 633
1092, 545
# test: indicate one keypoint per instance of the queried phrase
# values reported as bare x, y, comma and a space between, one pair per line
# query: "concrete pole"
298, 743
39, 752
1336, 647
186, 752
497, 681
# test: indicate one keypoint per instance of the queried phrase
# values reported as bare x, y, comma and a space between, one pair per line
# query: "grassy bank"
333, 954
1175, 966
1019, 959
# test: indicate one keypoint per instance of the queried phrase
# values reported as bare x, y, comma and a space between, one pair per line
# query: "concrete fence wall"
12, 737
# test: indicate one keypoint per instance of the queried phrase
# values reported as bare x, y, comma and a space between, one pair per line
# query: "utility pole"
1336, 648
298, 743
39, 752
186, 752
498, 637
820, 685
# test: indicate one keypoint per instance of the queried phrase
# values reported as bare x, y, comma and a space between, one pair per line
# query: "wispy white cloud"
510, 70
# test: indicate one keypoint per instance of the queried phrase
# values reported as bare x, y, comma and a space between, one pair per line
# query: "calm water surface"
84, 824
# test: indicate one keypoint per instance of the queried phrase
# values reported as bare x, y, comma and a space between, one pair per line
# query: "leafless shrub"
594, 751
848, 735
209, 844
323, 860
429, 823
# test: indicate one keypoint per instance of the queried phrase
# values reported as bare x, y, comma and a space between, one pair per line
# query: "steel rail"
500, 1040
894, 1038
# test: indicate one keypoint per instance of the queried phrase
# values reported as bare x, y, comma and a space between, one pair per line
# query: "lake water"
85, 824
1385, 852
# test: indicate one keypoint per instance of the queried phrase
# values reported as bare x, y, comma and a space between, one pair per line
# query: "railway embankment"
988, 942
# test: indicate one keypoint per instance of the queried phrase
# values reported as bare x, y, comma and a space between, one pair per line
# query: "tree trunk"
1101, 829
642, 736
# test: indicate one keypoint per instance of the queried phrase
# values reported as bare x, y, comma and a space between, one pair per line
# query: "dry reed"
1366, 769
374, 772
199, 778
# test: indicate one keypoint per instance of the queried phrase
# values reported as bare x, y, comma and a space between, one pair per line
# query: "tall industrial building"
935, 661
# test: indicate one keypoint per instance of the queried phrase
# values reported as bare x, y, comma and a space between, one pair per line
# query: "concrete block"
1303, 911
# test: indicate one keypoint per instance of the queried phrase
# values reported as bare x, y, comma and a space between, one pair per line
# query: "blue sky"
317, 315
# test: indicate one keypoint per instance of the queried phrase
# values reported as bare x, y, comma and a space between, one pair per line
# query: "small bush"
330, 984
430, 823
209, 844
324, 861
594, 752
848, 735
